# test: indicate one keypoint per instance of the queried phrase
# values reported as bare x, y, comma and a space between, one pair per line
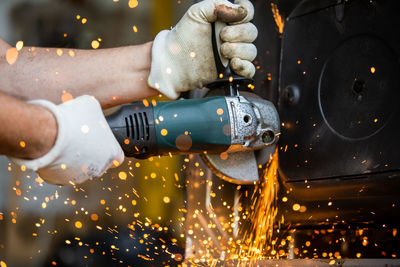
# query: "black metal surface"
344, 61
369, 200
134, 127
268, 45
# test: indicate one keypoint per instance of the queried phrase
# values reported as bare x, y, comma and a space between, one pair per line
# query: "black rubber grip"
133, 126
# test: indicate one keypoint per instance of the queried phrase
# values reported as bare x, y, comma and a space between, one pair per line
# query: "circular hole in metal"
268, 137
247, 118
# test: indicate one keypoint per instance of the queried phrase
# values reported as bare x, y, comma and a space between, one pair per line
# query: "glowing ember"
122, 175
78, 224
296, 207
372, 70
279, 21
146, 102
133, 3
95, 44
12, 55
166, 199
223, 156
164, 132
94, 217
19, 45
66, 97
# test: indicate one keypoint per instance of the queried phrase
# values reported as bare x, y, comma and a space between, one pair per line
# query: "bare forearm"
114, 76
28, 131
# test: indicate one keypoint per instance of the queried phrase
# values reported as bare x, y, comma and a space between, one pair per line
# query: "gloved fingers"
248, 6
240, 33
85, 145
243, 51
243, 67
118, 159
226, 12
222, 10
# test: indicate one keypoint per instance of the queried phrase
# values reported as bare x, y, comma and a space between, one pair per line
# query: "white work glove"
85, 146
182, 58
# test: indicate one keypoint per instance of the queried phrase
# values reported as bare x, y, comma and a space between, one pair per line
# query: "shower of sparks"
258, 237
254, 242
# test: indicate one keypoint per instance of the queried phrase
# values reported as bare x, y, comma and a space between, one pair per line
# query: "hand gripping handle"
226, 79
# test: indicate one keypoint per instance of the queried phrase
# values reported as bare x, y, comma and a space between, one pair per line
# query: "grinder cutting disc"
243, 167
239, 167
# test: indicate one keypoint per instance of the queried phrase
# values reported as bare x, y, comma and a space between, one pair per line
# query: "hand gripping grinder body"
210, 125
234, 133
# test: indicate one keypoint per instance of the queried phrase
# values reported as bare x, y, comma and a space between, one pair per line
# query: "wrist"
46, 131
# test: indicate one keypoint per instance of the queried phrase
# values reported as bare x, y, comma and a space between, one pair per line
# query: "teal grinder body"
176, 127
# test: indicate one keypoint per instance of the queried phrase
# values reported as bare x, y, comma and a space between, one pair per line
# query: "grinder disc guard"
243, 167
239, 167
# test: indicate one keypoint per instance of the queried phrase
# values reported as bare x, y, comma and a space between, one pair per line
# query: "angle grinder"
232, 132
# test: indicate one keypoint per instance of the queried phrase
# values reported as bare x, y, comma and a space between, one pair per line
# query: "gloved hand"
182, 58
85, 146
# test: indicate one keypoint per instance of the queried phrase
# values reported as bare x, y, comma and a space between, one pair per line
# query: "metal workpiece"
254, 123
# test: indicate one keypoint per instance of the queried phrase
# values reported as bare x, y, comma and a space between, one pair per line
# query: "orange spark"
277, 17
12, 55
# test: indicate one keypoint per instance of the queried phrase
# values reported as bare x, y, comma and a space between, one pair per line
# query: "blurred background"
133, 215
